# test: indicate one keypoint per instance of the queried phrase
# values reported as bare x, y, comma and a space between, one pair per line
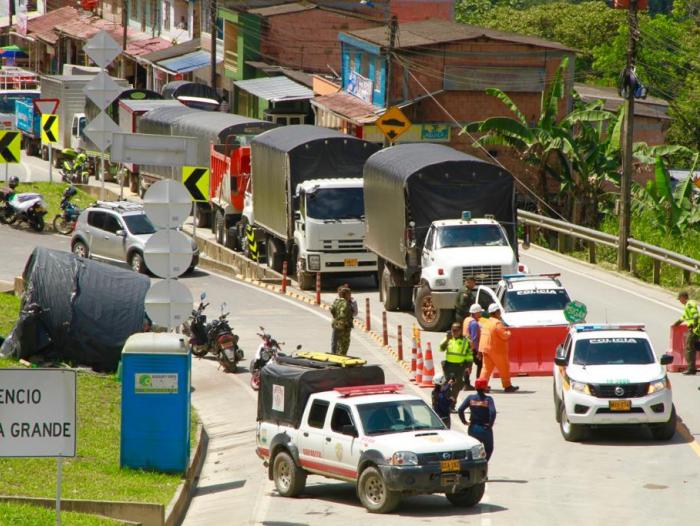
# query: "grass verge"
28, 515
52, 195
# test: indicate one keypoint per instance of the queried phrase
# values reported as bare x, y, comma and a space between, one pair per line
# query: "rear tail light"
441, 272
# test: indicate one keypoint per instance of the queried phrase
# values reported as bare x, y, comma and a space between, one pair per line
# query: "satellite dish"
168, 253
167, 204
168, 303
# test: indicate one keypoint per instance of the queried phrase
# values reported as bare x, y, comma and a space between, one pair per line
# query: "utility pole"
125, 25
393, 29
629, 85
213, 8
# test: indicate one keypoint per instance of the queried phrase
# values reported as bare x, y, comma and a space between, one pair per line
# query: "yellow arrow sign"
10, 145
393, 123
196, 180
49, 128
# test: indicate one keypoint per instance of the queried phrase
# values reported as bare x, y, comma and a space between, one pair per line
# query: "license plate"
449, 465
620, 405
350, 262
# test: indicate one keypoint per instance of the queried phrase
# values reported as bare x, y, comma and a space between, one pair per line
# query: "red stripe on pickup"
320, 466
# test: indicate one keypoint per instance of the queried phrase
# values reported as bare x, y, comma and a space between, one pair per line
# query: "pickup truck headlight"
314, 261
658, 385
580, 387
440, 282
404, 458
478, 452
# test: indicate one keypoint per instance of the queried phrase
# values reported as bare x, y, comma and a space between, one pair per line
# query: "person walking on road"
443, 401
494, 348
342, 322
466, 297
472, 329
691, 319
482, 415
458, 356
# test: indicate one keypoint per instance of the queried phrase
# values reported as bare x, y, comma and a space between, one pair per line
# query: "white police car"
528, 299
608, 374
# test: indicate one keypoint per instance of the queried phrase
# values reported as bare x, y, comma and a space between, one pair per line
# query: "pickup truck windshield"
613, 351
397, 417
335, 203
470, 236
139, 224
535, 299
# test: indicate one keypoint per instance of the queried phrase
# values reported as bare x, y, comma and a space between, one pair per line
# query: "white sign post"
38, 416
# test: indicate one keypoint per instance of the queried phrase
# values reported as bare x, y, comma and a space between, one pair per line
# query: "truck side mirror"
350, 430
666, 359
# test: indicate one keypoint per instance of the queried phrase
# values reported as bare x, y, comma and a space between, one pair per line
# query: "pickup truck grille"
488, 275
427, 458
344, 245
628, 390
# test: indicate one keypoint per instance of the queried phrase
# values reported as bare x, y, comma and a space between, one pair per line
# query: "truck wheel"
374, 494
390, 293
202, 216
570, 432
306, 280
430, 317
666, 430
219, 227
275, 254
232, 239
290, 480
468, 497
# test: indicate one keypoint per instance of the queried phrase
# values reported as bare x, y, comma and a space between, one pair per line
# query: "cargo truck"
434, 217
307, 201
28, 122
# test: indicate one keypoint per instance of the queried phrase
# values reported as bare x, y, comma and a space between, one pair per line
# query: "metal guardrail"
594, 237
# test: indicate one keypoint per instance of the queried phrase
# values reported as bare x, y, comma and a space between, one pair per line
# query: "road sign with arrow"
196, 180
49, 128
393, 123
10, 143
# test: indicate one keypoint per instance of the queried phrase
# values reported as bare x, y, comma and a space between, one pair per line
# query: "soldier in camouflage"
342, 322
466, 297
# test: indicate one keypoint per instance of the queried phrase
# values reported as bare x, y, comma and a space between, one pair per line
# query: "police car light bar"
611, 327
522, 275
361, 390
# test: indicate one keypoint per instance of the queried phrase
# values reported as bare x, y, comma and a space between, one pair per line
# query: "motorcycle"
196, 328
27, 207
64, 223
268, 352
74, 168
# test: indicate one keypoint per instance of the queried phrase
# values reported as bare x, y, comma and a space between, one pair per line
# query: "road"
30, 169
535, 476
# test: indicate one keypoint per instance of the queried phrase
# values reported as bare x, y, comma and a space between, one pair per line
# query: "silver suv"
117, 231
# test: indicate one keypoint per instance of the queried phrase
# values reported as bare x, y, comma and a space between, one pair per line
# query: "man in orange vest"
494, 346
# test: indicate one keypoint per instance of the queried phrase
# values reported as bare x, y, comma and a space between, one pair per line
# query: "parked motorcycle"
268, 351
64, 223
196, 328
28, 207
74, 168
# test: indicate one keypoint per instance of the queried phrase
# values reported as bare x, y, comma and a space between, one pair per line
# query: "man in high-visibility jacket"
458, 356
691, 319
494, 348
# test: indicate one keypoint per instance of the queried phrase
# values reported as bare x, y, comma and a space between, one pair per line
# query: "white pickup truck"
387, 443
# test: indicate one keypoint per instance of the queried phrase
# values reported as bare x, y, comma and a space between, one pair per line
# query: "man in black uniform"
482, 411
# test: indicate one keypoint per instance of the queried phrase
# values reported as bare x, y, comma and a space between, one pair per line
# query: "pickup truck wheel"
570, 432
666, 430
137, 263
275, 254
374, 494
305, 279
466, 498
290, 480
390, 293
80, 249
429, 316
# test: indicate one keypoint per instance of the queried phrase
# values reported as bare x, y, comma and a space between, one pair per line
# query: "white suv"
608, 374
528, 299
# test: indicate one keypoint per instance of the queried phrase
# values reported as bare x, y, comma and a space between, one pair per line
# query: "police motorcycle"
64, 223
74, 167
28, 207
268, 351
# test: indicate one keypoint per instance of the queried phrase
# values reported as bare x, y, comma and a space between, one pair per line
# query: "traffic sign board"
168, 303
100, 131
102, 90
10, 145
575, 312
168, 253
196, 180
46, 105
49, 128
167, 204
102, 49
393, 123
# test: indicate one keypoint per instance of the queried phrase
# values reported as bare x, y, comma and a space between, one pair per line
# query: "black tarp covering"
288, 387
186, 88
425, 183
286, 156
90, 308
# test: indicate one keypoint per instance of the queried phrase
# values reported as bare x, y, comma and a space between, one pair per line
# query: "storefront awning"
275, 89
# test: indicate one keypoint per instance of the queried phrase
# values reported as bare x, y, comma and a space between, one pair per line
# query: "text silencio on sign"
37, 413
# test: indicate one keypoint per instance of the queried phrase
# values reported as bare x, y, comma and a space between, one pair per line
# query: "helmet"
475, 308
70, 191
439, 380
494, 308
13, 182
481, 384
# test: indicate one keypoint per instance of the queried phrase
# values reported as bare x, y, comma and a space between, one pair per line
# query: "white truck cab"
387, 443
455, 249
608, 374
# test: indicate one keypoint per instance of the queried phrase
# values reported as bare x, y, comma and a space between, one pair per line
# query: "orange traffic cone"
419, 365
414, 355
428, 369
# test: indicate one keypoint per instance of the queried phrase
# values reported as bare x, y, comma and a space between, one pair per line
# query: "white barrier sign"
37, 413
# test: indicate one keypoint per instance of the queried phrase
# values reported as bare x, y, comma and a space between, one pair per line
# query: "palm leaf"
505, 99
506, 126
615, 137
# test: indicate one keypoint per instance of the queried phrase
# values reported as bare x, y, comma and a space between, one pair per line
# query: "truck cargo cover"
429, 182
186, 88
285, 389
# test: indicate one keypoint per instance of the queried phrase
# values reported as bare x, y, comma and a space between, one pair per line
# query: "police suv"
528, 299
608, 374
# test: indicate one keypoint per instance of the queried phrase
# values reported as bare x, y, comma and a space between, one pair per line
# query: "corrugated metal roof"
189, 62
349, 107
282, 9
275, 89
173, 51
649, 107
43, 26
431, 32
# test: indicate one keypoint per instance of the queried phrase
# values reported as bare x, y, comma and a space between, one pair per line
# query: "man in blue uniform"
482, 415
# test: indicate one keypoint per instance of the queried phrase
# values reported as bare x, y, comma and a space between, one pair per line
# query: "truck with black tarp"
434, 217
307, 204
